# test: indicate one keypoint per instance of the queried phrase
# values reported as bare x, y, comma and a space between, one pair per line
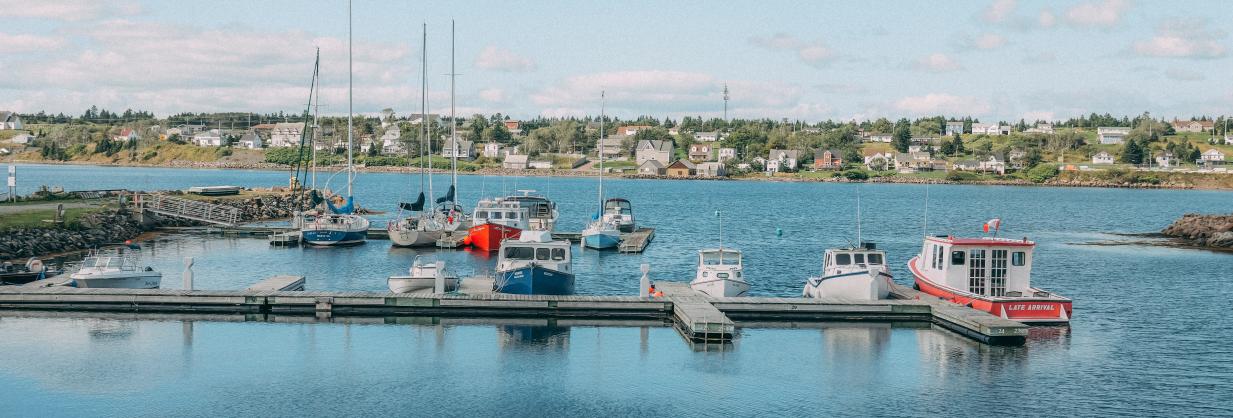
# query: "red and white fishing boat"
988, 273
496, 220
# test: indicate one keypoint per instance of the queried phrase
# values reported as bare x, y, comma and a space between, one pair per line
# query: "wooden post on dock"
644, 285
438, 283
188, 273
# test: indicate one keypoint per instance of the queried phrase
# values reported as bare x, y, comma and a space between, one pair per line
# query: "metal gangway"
176, 207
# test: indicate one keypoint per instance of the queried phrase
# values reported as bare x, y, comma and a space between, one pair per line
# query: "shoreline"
893, 179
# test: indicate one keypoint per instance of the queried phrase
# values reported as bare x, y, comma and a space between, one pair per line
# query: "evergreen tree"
1131, 152
903, 136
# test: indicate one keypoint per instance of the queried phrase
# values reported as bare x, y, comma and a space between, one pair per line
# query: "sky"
803, 60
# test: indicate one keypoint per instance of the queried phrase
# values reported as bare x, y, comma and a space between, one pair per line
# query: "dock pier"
699, 318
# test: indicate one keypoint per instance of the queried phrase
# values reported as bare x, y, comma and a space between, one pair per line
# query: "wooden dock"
636, 242
279, 283
700, 318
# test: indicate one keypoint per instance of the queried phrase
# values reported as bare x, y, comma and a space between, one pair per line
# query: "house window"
976, 271
956, 258
1018, 258
997, 273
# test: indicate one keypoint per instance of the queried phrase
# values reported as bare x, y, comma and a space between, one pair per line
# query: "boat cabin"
500, 212
852, 258
724, 263
993, 267
535, 247
538, 207
620, 211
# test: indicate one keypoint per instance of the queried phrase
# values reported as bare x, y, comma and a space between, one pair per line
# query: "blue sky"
999, 59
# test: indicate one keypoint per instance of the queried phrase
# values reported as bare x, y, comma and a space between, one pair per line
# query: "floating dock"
700, 318
636, 242
279, 283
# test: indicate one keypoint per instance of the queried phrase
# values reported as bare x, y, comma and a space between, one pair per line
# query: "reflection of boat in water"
423, 277
114, 271
719, 273
531, 336
853, 273
534, 264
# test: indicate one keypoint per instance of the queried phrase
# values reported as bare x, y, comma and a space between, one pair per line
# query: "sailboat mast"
423, 104
602, 102
453, 124
858, 217
316, 123
427, 120
350, 167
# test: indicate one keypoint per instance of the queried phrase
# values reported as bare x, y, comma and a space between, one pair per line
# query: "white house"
611, 146
952, 128
782, 160
250, 140
652, 168
10, 120
1166, 160
210, 138
700, 152
391, 143
285, 135
22, 139
990, 129
631, 130
992, 164
491, 150
125, 135
464, 149
880, 161
711, 169
1212, 155
1112, 134
887, 138
653, 149
1041, 128
515, 162
727, 154
706, 136
1102, 157
1191, 125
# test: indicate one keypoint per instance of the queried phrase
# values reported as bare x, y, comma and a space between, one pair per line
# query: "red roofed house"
828, 160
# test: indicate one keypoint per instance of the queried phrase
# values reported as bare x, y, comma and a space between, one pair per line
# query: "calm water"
1150, 333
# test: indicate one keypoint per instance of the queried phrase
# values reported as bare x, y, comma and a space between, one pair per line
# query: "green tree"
497, 133
1132, 152
902, 136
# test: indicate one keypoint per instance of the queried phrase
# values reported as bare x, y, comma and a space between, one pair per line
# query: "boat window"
481, 215
496, 215
512, 215
738, 274
558, 254
860, 258
704, 274
956, 258
1018, 258
843, 259
875, 259
721, 258
519, 253
541, 253
721, 275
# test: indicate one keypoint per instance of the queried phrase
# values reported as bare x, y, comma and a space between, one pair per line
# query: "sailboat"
341, 226
420, 228
603, 232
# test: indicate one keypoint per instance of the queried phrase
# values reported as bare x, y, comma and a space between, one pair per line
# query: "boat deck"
700, 318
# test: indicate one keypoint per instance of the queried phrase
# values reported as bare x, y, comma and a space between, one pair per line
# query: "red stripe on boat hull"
1026, 310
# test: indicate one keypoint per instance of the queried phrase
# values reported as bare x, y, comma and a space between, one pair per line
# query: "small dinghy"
424, 277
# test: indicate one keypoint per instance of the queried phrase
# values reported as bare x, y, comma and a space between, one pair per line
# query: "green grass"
36, 202
34, 218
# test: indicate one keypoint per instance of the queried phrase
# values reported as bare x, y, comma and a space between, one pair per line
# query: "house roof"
1103, 154
6, 115
250, 136
779, 154
682, 164
1213, 151
655, 144
651, 163
516, 158
835, 153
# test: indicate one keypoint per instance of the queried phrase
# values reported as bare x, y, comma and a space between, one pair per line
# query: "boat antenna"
424, 105
316, 125
602, 102
427, 120
720, 219
350, 110
858, 216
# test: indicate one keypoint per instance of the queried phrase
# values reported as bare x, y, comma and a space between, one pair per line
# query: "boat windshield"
715, 258
618, 206
519, 253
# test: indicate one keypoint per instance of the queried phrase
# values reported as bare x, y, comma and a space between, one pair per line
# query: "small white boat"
719, 273
423, 277
114, 271
620, 211
854, 273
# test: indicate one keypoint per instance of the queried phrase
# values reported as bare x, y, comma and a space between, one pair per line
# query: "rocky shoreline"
1206, 231
1061, 181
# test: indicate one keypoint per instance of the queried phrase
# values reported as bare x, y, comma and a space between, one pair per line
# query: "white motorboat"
719, 273
620, 211
114, 271
855, 273
423, 276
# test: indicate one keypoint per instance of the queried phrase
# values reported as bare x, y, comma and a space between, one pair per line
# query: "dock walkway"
700, 318
636, 242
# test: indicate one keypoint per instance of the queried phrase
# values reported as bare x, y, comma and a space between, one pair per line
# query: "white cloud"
66, 10
998, 11
937, 62
1102, 14
983, 41
1180, 74
814, 53
1178, 39
1046, 19
496, 59
943, 104
28, 43
492, 95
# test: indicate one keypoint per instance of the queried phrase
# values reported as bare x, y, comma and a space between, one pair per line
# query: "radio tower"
725, 102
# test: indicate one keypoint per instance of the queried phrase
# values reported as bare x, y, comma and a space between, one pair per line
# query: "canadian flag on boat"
993, 225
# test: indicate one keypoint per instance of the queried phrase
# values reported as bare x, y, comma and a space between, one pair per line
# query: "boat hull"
26, 276
414, 238
1028, 310
329, 237
601, 240
488, 237
408, 284
721, 288
149, 280
534, 280
858, 285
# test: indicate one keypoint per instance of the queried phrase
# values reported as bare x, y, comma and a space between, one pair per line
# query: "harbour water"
1150, 329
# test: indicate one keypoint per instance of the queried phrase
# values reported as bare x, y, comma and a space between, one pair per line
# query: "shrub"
1042, 173
856, 175
960, 176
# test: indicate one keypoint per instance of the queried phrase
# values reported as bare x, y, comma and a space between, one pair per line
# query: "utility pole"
725, 104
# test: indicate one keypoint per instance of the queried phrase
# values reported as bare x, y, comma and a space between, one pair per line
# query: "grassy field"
35, 218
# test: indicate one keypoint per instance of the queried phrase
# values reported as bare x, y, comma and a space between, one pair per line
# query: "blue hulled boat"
534, 264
